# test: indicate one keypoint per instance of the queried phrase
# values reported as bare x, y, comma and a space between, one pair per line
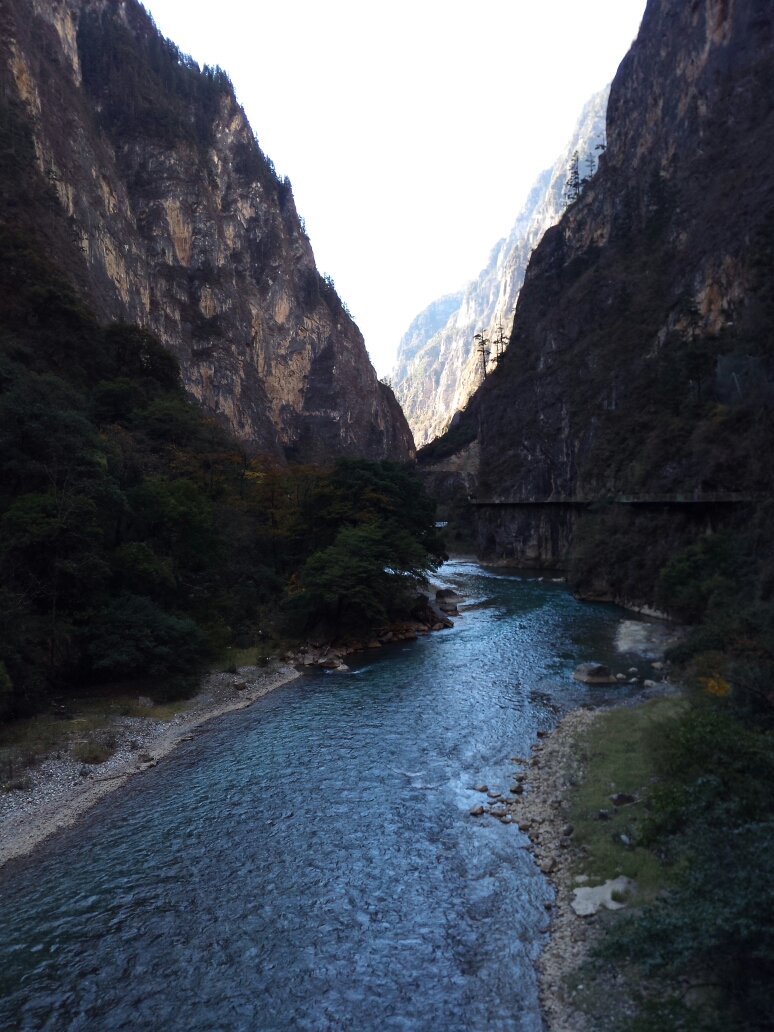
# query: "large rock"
589, 901
594, 673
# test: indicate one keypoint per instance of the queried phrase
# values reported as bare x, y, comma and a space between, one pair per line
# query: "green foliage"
717, 925
712, 809
144, 84
368, 571
621, 754
701, 577
132, 635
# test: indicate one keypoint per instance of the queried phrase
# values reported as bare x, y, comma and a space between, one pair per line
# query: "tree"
572, 188
367, 571
482, 347
500, 343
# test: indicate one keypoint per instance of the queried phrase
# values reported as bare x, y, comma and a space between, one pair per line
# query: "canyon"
632, 409
438, 366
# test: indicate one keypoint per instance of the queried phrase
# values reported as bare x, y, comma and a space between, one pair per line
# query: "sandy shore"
61, 788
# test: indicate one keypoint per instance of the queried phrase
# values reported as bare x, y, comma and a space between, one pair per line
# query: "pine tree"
483, 350
573, 185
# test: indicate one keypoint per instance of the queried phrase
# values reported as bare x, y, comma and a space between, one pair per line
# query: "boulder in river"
477, 811
481, 788
593, 673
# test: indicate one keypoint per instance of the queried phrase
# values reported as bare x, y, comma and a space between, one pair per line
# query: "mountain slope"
177, 221
436, 372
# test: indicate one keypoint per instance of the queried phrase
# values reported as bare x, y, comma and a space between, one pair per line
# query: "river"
310, 863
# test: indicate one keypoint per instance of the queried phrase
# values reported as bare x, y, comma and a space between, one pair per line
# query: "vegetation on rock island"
137, 538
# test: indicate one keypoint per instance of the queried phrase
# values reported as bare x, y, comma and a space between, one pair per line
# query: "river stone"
623, 799
593, 673
494, 795
547, 866
589, 901
477, 811
374, 644
498, 811
481, 788
517, 788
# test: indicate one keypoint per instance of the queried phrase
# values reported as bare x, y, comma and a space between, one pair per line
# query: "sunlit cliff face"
197, 240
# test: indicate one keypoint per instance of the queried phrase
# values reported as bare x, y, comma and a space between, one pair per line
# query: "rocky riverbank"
60, 788
426, 616
577, 994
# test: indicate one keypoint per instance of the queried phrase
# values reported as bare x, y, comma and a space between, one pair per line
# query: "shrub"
91, 752
135, 637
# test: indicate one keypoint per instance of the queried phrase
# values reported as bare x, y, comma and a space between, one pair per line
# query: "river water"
310, 863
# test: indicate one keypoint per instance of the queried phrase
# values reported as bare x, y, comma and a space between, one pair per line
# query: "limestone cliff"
181, 224
637, 391
438, 368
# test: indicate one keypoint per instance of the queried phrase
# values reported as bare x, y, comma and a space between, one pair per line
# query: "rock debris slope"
181, 224
438, 367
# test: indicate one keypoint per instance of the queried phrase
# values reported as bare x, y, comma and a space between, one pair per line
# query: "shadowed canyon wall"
178, 222
633, 407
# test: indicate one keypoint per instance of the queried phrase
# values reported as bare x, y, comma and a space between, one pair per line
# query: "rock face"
182, 225
438, 367
614, 403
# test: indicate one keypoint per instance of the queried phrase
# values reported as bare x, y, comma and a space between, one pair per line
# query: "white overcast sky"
411, 130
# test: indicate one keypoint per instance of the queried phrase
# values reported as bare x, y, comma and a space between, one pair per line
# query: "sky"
410, 130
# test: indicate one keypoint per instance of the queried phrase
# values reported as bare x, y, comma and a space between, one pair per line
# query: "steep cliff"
638, 386
176, 220
438, 368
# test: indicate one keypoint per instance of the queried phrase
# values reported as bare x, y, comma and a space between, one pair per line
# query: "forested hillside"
139, 539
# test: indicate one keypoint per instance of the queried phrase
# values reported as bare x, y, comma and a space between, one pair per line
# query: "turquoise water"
310, 863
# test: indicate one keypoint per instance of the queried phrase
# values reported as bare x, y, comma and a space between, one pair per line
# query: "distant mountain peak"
438, 367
